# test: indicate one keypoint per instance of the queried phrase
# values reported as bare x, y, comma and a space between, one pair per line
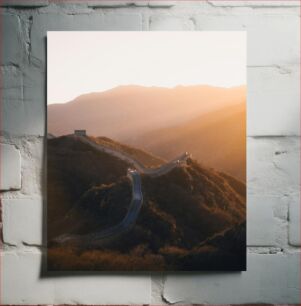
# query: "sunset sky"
83, 62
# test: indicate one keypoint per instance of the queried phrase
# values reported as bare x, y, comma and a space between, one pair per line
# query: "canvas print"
146, 151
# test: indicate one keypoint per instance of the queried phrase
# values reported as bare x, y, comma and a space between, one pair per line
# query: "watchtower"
80, 133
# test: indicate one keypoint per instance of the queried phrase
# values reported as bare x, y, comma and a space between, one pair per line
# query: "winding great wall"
153, 172
99, 237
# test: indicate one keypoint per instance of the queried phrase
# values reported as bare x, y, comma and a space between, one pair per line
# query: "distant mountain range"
216, 139
207, 121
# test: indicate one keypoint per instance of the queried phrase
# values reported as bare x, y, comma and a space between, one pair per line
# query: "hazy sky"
83, 62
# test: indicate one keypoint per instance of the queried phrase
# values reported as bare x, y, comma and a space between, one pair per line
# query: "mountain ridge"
216, 140
182, 208
121, 112
132, 86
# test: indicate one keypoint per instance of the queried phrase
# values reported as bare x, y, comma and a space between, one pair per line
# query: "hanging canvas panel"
146, 151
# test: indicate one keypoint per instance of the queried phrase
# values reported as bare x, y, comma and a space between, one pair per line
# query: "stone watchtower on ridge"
80, 133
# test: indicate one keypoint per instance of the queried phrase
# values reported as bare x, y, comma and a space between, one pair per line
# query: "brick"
34, 102
161, 3
260, 220
112, 3
120, 3
165, 23
89, 22
294, 220
273, 95
24, 3
33, 168
269, 35
12, 104
11, 84
22, 284
23, 101
142, 3
269, 279
22, 221
12, 44
250, 3
273, 165
157, 285
10, 167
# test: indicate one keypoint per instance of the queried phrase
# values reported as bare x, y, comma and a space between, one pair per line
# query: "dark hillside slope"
74, 169
146, 158
182, 213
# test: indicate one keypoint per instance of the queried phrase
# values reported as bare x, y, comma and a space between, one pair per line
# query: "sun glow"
84, 62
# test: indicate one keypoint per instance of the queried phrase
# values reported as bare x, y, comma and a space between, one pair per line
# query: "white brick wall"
24, 3
23, 222
294, 220
14, 45
273, 29
10, 171
270, 279
274, 91
23, 284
